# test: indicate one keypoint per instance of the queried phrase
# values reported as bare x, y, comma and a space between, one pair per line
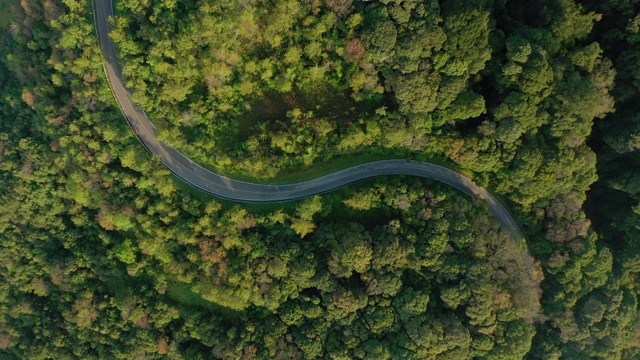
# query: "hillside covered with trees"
104, 254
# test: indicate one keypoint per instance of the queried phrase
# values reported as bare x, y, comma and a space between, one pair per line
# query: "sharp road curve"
241, 191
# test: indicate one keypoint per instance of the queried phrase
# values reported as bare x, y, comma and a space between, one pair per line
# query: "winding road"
246, 192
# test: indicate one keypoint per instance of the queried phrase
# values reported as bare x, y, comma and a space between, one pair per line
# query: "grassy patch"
322, 99
5, 13
326, 167
182, 294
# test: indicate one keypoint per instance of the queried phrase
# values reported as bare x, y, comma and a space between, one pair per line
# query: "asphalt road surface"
246, 192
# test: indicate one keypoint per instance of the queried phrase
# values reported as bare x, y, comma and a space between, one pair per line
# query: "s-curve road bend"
241, 191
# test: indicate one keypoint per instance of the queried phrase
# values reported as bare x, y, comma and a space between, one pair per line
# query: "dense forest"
104, 254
